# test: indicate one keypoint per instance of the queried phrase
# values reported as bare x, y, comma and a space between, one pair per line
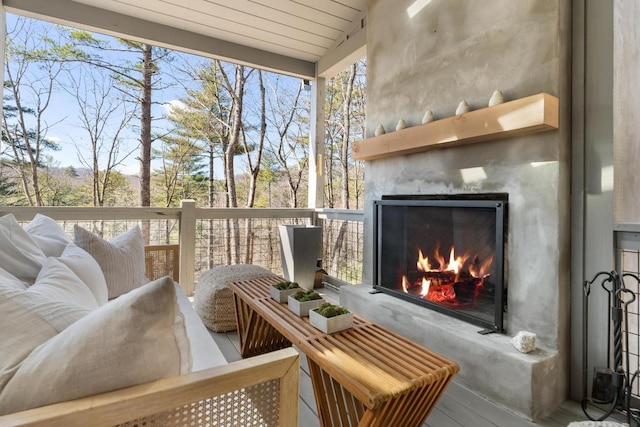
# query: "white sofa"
91, 341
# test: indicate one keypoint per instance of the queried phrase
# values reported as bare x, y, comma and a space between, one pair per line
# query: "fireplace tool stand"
612, 386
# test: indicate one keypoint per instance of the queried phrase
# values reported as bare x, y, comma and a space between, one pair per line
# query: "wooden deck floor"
457, 407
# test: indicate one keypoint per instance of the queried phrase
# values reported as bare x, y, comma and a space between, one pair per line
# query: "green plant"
306, 295
281, 286
331, 310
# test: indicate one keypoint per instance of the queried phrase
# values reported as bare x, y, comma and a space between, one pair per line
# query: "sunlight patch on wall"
416, 7
470, 175
539, 164
606, 179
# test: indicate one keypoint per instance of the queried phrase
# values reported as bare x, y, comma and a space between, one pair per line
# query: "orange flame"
405, 284
439, 280
481, 271
455, 264
423, 263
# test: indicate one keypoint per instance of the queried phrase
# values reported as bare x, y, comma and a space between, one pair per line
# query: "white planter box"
302, 308
281, 296
329, 325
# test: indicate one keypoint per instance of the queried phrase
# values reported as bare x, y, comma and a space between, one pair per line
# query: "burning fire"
455, 264
455, 282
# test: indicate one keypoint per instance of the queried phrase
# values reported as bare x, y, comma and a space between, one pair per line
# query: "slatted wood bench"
366, 375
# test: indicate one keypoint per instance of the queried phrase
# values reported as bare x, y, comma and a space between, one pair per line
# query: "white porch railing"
216, 236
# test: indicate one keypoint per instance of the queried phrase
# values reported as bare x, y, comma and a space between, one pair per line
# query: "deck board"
458, 396
306, 417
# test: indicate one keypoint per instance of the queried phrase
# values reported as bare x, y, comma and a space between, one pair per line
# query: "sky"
63, 116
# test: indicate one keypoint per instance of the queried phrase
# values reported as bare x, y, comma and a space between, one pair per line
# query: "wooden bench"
366, 375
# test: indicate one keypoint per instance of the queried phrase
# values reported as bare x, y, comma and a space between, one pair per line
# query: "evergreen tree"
180, 176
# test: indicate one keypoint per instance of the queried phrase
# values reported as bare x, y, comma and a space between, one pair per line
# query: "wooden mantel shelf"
534, 113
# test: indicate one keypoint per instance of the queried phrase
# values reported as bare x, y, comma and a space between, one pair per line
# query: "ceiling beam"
91, 18
351, 47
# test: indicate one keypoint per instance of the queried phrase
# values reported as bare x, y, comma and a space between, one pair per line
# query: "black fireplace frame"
496, 201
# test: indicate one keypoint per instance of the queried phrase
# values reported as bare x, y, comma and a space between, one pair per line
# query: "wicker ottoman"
213, 300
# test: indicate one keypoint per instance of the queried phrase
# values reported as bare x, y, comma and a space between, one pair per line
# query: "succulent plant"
306, 295
281, 286
331, 310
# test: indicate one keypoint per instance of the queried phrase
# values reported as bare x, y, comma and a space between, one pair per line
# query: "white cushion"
28, 319
205, 353
87, 269
121, 258
48, 235
136, 338
58, 282
19, 254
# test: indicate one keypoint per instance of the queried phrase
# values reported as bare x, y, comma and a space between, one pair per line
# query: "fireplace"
446, 253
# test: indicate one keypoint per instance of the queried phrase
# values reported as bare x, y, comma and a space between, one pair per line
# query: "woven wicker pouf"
213, 300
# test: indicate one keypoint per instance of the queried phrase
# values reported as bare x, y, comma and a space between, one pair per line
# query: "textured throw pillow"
19, 254
136, 338
28, 319
87, 269
48, 235
121, 258
58, 282
8, 280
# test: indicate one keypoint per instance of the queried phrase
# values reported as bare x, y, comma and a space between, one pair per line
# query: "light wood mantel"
522, 116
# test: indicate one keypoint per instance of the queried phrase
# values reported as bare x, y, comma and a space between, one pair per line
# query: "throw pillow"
19, 254
48, 235
87, 269
28, 319
58, 282
121, 258
136, 338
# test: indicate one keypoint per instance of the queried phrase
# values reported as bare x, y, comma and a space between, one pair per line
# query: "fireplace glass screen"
444, 254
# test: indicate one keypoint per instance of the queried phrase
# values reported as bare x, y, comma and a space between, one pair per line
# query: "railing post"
316, 144
187, 245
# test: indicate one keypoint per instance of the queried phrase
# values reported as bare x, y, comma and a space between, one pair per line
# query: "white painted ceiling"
304, 30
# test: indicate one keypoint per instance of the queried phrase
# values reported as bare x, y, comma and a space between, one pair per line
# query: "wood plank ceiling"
304, 30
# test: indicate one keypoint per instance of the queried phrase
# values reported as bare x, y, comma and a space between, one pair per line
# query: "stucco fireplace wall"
454, 50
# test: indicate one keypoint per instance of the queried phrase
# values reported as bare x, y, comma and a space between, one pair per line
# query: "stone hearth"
489, 364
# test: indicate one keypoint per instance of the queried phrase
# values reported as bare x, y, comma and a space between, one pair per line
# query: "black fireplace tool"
612, 385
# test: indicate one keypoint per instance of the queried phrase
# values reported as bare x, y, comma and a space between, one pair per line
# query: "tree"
202, 116
268, 176
345, 115
57, 188
31, 77
122, 192
345, 123
9, 193
104, 118
234, 124
213, 113
254, 167
254, 163
138, 79
179, 176
290, 145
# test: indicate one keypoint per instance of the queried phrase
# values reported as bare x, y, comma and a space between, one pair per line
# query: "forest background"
90, 120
